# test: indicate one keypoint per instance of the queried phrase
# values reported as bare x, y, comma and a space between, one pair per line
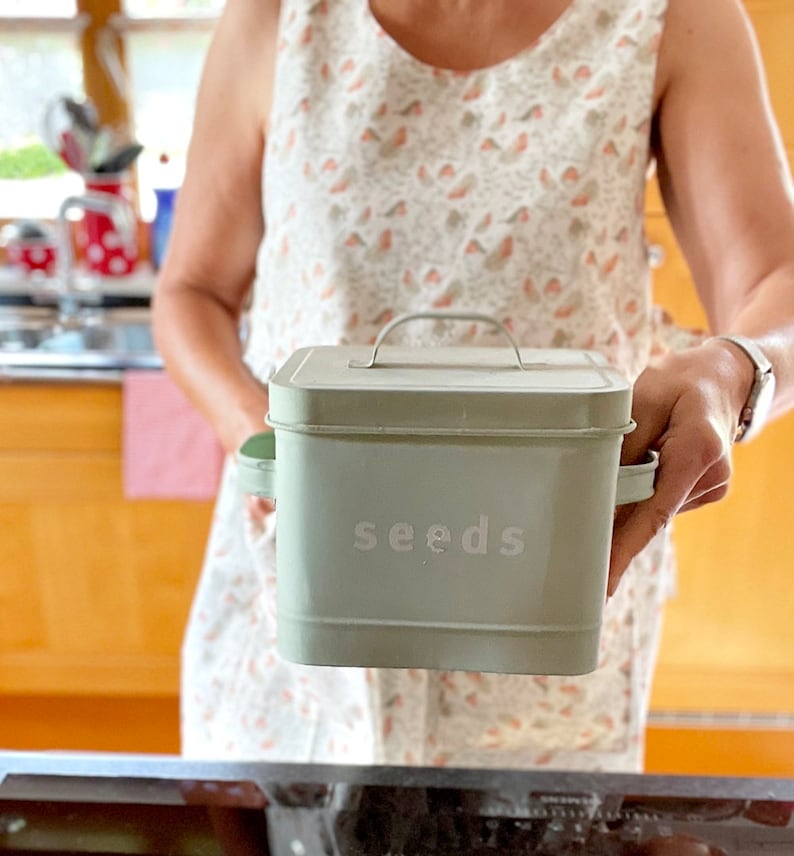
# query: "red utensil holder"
107, 252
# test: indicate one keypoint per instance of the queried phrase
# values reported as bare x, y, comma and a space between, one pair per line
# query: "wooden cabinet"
773, 22
729, 632
723, 694
95, 589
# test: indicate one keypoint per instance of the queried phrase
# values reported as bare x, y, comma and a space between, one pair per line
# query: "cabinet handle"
656, 256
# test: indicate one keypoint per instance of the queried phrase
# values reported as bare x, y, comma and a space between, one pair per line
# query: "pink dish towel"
169, 450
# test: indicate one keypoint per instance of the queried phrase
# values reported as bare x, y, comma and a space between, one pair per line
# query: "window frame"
19, 23
94, 21
98, 21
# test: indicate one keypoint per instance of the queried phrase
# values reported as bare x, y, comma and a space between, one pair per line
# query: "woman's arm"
727, 190
725, 180
210, 264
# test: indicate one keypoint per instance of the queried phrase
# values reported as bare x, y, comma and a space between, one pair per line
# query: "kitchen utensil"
68, 131
120, 160
72, 152
446, 508
83, 114
103, 147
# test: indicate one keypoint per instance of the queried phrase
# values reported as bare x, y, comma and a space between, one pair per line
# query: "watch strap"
753, 351
763, 369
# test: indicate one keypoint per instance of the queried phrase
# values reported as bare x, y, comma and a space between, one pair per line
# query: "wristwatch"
759, 402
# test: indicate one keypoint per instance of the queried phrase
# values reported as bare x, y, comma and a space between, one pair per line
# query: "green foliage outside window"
32, 160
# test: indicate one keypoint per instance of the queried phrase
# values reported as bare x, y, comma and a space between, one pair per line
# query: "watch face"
759, 405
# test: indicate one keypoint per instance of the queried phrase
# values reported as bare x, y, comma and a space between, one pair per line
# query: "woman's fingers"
712, 487
636, 525
677, 473
682, 411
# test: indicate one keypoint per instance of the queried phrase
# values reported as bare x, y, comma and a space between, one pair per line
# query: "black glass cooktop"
74, 804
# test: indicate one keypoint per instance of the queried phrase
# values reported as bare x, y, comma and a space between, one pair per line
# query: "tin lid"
449, 390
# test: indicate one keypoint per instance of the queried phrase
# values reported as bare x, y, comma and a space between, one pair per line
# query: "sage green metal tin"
444, 508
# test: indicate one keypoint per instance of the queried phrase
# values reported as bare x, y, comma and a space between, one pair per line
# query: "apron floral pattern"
393, 186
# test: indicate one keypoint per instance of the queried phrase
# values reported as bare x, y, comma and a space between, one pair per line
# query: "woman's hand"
687, 408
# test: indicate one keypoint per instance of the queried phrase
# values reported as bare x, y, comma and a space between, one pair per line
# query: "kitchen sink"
37, 338
127, 337
21, 338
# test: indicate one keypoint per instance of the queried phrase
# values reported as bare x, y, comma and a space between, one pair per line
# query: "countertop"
109, 333
18, 288
311, 809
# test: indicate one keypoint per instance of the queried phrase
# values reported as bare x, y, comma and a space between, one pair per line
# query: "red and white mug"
33, 254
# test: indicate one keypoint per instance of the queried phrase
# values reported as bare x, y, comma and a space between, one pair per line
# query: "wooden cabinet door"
729, 633
95, 589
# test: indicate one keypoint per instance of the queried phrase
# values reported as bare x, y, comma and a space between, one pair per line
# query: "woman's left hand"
687, 408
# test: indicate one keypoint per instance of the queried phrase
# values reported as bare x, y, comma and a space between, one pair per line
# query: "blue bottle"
161, 225
165, 195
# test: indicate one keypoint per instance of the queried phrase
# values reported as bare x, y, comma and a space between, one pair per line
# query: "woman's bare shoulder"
708, 49
220, 202
242, 56
703, 36
258, 14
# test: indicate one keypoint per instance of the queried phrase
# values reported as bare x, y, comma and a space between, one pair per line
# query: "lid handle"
437, 316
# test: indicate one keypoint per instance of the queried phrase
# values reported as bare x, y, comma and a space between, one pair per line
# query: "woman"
354, 160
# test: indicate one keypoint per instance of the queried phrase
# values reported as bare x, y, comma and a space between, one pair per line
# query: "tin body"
444, 508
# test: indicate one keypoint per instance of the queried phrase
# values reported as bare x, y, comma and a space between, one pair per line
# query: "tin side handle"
635, 482
256, 465
436, 316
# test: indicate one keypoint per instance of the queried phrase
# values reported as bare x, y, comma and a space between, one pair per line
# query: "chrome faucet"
69, 297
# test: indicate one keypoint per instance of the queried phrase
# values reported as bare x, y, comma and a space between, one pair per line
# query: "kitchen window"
139, 61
